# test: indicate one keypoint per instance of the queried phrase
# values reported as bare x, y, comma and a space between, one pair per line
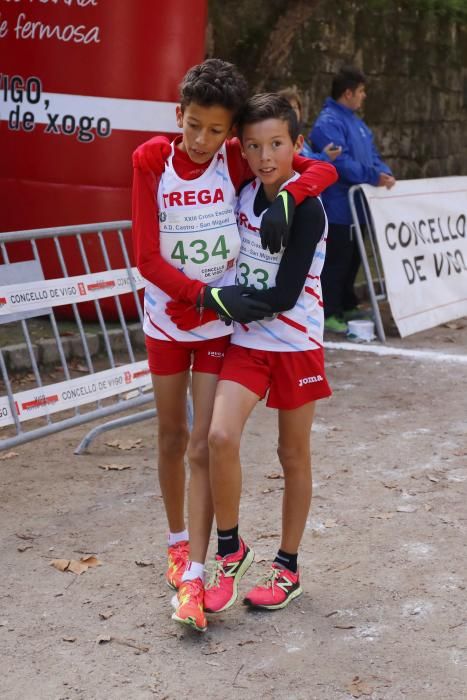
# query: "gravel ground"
383, 614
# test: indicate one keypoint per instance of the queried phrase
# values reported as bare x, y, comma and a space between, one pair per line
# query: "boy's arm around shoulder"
151, 155
239, 170
315, 177
307, 229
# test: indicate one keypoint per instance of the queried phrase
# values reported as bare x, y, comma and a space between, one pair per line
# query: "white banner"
61, 396
109, 112
421, 230
69, 290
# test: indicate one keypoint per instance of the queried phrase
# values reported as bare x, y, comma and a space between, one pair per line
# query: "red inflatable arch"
82, 83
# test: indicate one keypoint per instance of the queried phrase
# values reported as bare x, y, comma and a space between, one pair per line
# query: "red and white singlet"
199, 236
298, 329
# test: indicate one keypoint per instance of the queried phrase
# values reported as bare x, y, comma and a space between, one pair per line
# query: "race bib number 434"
203, 243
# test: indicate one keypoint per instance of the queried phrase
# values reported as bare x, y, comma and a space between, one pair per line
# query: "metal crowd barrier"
359, 205
73, 376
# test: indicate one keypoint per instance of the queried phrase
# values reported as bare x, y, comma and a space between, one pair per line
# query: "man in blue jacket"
359, 163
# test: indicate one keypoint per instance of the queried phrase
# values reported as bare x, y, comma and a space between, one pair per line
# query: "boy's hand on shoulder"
152, 155
186, 316
277, 222
234, 303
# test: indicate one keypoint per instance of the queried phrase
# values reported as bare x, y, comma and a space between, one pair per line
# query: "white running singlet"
298, 329
199, 236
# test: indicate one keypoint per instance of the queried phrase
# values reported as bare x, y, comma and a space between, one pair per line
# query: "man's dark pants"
340, 270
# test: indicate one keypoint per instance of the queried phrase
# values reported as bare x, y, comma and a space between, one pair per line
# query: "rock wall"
414, 57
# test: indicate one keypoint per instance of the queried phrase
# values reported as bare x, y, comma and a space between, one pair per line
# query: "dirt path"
383, 561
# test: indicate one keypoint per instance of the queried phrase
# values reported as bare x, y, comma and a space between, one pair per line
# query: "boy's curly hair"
214, 82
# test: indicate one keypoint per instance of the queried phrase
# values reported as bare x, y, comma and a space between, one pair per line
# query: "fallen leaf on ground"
144, 562
91, 561
358, 687
432, 478
8, 455
125, 444
343, 626
103, 639
428, 506
247, 641
274, 475
406, 509
105, 615
24, 547
68, 639
60, 564
114, 467
76, 567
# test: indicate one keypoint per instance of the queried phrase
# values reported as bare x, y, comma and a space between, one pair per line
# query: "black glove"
233, 303
277, 222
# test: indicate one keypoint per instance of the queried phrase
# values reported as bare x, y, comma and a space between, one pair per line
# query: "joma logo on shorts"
212, 353
310, 380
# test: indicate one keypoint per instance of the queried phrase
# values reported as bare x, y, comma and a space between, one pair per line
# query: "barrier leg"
371, 288
366, 267
125, 420
111, 425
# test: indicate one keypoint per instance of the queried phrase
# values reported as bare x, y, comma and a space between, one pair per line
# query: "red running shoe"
275, 590
178, 555
189, 609
221, 590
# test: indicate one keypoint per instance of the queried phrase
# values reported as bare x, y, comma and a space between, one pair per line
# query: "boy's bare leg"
200, 509
295, 457
232, 406
170, 395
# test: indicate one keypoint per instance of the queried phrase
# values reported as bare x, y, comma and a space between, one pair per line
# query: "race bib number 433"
256, 267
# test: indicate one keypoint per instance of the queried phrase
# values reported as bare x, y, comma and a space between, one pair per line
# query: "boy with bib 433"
282, 358
186, 243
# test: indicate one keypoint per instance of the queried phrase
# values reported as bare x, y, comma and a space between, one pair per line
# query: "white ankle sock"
193, 570
175, 537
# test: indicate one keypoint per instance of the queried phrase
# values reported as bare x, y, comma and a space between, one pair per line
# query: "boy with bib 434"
186, 244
